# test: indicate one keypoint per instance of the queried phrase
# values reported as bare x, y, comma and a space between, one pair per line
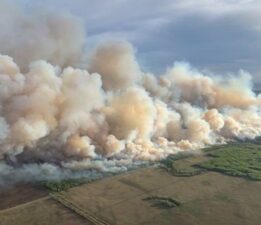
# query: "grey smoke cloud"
57, 120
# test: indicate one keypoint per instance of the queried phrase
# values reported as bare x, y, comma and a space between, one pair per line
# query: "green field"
242, 160
235, 159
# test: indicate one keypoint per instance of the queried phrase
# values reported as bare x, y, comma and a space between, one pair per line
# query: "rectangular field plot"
43, 211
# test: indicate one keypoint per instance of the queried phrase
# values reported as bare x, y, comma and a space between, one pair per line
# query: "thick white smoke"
111, 115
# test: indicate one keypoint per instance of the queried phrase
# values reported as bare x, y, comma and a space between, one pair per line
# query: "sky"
222, 36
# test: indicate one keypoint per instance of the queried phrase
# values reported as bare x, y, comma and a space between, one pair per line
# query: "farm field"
185, 190
209, 198
19, 194
43, 211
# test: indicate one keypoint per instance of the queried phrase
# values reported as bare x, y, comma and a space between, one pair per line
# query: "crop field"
20, 194
220, 186
208, 198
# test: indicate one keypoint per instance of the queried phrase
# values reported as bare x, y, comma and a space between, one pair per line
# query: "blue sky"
218, 35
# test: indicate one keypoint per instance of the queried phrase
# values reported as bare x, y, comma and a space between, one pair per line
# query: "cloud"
218, 35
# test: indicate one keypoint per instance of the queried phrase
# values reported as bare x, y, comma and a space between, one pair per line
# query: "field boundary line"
24, 204
78, 210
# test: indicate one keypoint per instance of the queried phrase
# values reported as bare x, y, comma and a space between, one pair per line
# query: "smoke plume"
57, 120
33, 35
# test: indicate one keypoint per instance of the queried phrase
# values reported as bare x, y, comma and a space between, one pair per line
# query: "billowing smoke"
116, 64
33, 35
58, 121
